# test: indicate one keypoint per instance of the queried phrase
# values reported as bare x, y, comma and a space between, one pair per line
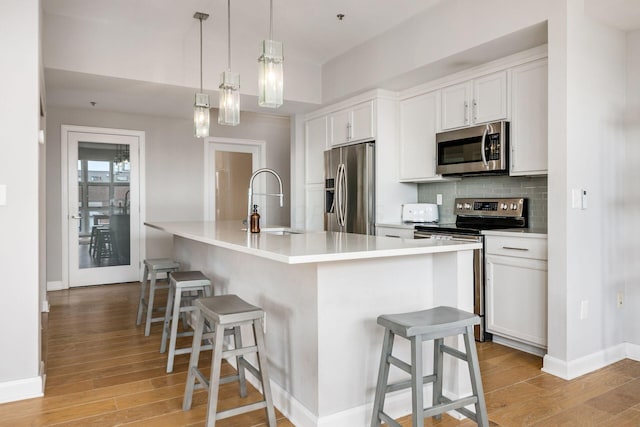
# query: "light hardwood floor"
103, 371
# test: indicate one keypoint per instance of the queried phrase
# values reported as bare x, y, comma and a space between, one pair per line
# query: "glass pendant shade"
229, 111
271, 78
201, 115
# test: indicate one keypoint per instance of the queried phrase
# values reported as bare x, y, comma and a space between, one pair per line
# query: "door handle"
75, 217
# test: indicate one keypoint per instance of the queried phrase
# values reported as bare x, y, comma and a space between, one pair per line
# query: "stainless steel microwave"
474, 150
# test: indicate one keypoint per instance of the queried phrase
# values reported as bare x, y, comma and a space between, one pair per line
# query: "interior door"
103, 208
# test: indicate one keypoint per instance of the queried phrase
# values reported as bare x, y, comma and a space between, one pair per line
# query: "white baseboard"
45, 306
55, 286
633, 351
569, 370
27, 388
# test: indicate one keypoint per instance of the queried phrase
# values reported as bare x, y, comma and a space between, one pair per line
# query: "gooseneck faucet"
251, 193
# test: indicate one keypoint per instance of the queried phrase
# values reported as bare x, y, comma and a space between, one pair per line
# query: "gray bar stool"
226, 313
184, 287
153, 267
434, 324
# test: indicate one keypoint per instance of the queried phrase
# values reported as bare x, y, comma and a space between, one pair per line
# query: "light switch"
3, 195
576, 198
439, 199
583, 201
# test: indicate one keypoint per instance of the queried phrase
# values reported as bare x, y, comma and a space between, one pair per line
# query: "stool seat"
226, 314
161, 263
189, 279
153, 267
428, 322
434, 324
227, 309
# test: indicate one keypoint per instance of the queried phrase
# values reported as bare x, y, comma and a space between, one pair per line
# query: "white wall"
174, 168
19, 227
448, 28
169, 55
631, 203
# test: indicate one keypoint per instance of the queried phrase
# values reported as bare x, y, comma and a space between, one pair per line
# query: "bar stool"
184, 287
226, 313
153, 267
434, 324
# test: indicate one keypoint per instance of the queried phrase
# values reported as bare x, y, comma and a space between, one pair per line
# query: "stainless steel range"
473, 216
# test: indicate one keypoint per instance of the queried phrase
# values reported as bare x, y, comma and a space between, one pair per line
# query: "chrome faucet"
251, 193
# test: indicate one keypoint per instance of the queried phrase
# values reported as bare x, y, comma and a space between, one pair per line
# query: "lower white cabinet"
516, 288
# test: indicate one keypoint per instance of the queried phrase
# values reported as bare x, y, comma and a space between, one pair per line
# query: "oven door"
475, 150
478, 274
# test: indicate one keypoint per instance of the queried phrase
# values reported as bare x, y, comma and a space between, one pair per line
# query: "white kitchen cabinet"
315, 141
529, 119
352, 124
516, 288
483, 99
418, 127
398, 232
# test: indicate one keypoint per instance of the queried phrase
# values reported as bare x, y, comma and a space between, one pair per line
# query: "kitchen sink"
280, 231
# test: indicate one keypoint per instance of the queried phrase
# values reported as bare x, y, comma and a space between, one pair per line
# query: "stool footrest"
450, 405
240, 410
407, 384
464, 411
248, 366
454, 352
239, 351
388, 420
399, 363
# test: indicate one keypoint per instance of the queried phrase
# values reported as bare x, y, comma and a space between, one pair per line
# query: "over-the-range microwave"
474, 150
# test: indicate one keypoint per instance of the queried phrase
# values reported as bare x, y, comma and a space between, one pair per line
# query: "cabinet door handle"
466, 112
348, 131
391, 235
514, 248
475, 111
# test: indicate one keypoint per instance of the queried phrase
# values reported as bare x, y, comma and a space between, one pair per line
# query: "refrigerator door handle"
341, 195
338, 198
345, 195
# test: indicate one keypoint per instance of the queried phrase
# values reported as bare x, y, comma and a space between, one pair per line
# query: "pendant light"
271, 78
201, 106
229, 111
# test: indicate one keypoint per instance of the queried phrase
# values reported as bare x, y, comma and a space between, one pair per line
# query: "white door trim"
64, 149
209, 166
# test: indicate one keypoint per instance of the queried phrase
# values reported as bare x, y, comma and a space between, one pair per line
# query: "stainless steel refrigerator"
350, 189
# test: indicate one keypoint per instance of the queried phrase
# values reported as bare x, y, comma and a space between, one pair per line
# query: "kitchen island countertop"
305, 247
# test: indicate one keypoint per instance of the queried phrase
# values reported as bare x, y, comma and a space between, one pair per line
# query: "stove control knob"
514, 206
458, 205
503, 206
467, 206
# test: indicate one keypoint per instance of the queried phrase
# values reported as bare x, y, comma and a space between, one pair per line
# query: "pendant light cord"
270, 19
200, 54
229, 33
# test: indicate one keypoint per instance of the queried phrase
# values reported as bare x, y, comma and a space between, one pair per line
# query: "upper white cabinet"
352, 124
529, 119
418, 127
480, 100
315, 141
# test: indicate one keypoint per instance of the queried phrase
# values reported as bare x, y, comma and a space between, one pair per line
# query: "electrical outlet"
620, 299
584, 309
439, 199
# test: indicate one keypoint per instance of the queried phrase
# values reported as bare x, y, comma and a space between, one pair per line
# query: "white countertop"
309, 247
403, 225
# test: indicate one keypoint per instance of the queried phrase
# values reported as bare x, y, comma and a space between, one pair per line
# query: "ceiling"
309, 30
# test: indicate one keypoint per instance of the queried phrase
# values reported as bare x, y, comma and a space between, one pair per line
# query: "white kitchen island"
322, 293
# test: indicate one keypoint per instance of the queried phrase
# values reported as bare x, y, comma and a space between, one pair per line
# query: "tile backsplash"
533, 188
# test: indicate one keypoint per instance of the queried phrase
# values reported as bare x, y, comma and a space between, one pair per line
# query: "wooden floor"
103, 371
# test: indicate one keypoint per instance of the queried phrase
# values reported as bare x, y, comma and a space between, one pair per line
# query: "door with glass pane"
103, 207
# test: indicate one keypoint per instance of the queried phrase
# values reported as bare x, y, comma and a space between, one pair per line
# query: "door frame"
64, 156
210, 146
